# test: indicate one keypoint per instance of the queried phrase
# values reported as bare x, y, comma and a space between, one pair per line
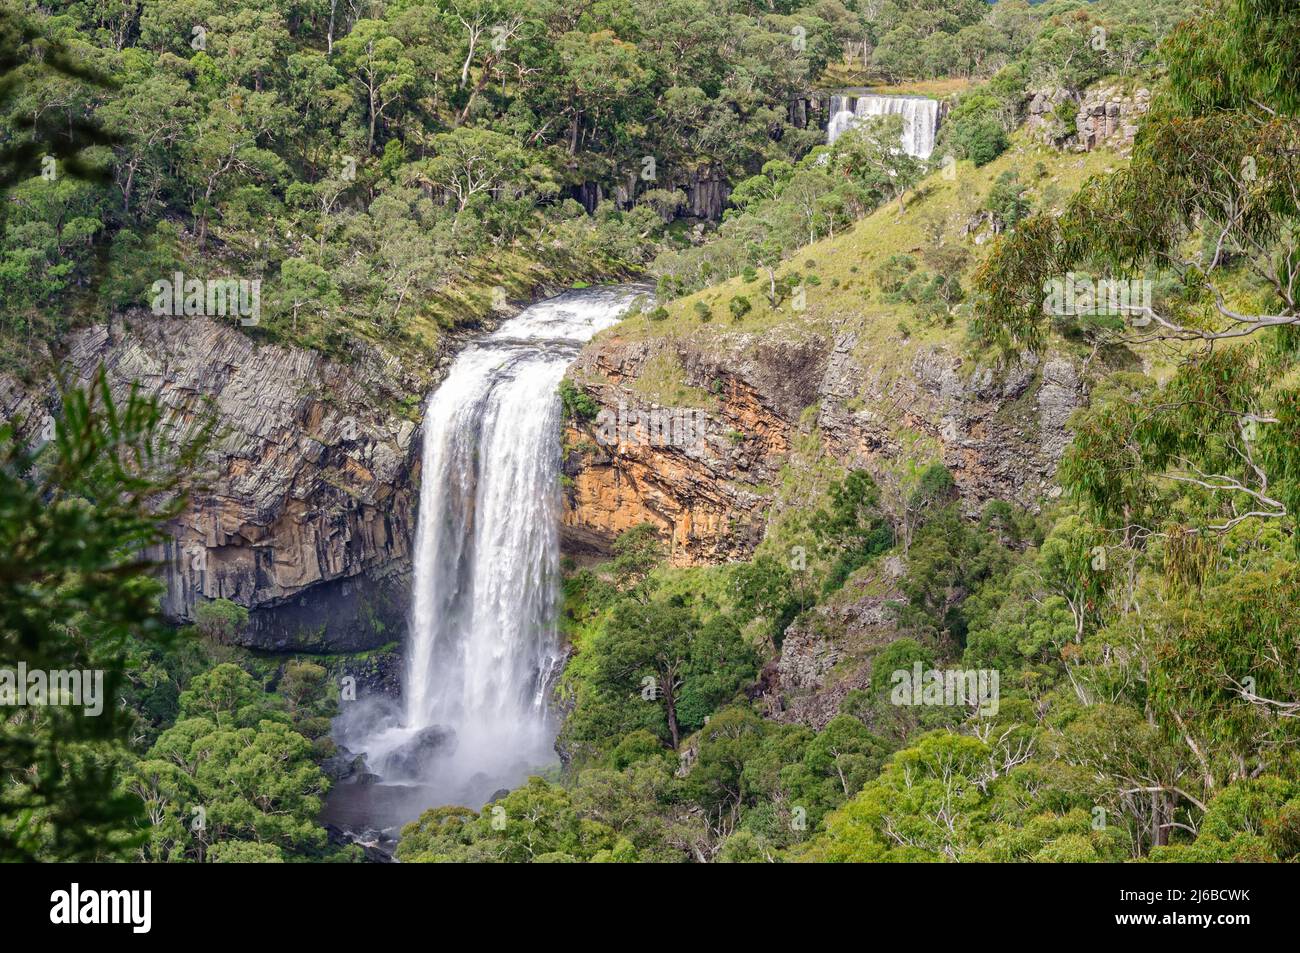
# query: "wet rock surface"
413, 757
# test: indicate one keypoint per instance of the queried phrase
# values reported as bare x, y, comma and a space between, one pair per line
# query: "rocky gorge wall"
1000, 431
307, 508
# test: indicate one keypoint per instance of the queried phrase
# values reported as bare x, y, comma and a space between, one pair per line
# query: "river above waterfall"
481, 650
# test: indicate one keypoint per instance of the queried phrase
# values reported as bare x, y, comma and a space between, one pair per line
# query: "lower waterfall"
482, 647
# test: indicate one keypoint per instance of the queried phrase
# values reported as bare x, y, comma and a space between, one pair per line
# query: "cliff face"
308, 509
1001, 431
829, 652
1106, 114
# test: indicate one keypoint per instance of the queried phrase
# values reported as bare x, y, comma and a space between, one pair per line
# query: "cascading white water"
920, 118
482, 644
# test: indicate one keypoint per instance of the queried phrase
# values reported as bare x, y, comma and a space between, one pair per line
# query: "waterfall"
920, 118
482, 646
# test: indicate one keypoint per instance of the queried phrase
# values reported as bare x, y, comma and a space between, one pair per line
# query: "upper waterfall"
920, 118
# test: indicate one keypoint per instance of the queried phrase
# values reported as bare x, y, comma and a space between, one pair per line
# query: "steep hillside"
872, 379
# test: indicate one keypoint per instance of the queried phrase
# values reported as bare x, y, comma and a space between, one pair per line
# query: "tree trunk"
371, 147
469, 58
670, 700
473, 94
126, 188
573, 129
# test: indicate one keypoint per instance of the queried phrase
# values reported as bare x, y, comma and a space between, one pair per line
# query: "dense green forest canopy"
382, 167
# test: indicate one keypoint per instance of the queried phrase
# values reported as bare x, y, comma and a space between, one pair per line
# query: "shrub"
220, 620
577, 405
974, 130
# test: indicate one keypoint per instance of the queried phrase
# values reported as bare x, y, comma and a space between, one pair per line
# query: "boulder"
412, 758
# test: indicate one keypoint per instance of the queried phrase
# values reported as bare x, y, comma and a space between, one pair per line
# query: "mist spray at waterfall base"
482, 649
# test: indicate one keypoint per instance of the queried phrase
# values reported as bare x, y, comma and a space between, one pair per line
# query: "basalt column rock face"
1103, 115
1109, 115
306, 511
1000, 430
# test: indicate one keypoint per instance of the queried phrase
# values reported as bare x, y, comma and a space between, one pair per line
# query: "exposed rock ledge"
828, 652
1001, 431
311, 487
1106, 114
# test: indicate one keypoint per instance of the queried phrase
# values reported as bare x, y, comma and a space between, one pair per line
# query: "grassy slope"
848, 297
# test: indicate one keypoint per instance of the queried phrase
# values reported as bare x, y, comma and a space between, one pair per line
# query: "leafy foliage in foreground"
75, 594
174, 757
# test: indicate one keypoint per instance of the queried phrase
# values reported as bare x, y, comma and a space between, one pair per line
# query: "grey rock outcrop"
1103, 115
1108, 115
306, 510
827, 653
